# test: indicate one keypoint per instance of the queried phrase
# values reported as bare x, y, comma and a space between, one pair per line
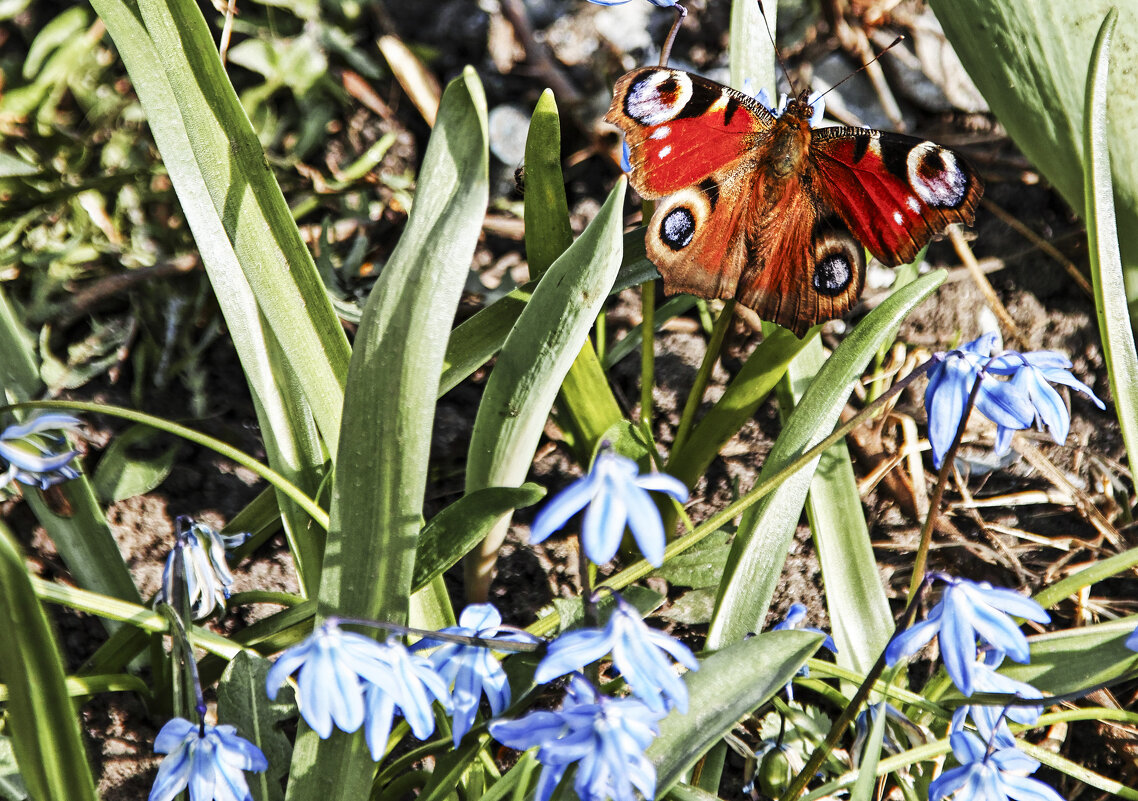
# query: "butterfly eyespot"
677, 228
832, 274
935, 176
657, 97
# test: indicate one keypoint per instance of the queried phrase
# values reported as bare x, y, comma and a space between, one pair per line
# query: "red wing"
681, 128
894, 192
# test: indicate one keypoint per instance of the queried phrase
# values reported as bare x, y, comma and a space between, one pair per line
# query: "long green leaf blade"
860, 618
533, 363
1102, 235
766, 530
45, 728
381, 468
730, 684
232, 201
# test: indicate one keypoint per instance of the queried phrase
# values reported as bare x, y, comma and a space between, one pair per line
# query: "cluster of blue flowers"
346, 680
1020, 402
991, 767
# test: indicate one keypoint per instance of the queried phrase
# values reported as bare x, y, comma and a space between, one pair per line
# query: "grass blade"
766, 529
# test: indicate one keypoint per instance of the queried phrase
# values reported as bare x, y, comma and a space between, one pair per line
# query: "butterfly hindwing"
805, 266
894, 192
681, 128
695, 237
786, 255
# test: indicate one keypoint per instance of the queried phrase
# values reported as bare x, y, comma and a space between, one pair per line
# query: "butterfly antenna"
777, 52
892, 44
666, 50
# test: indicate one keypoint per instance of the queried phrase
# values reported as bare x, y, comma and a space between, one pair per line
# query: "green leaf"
15, 167
870, 756
44, 725
729, 685
121, 475
454, 531
1102, 238
752, 51
1074, 659
1029, 60
533, 363
701, 565
686, 792
766, 529
546, 209
293, 350
860, 619
585, 404
381, 467
242, 702
12, 786
251, 248
476, 340
1095, 572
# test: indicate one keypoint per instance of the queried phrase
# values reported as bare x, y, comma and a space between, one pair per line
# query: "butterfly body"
763, 207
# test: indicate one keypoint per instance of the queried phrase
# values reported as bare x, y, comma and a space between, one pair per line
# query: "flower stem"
695, 396
647, 351
666, 50
920, 561
848, 714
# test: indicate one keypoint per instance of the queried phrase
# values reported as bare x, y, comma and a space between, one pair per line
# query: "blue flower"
1132, 641
36, 453
966, 610
991, 719
207, 759
204, 575
332, 663
1026, 398
997, 776
795, 616
616, 495
638, 652
1030, 373
950, 384
472, 669
412, 683
606, 736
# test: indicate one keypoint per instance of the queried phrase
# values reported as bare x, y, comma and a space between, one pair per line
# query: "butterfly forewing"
681, 128
894, 192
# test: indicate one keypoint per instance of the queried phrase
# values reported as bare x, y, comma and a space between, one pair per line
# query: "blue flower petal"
561, 507
906, 643
572, 651
662, 482
647, 528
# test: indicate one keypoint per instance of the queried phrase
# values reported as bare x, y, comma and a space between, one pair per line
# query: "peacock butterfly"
760, 206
